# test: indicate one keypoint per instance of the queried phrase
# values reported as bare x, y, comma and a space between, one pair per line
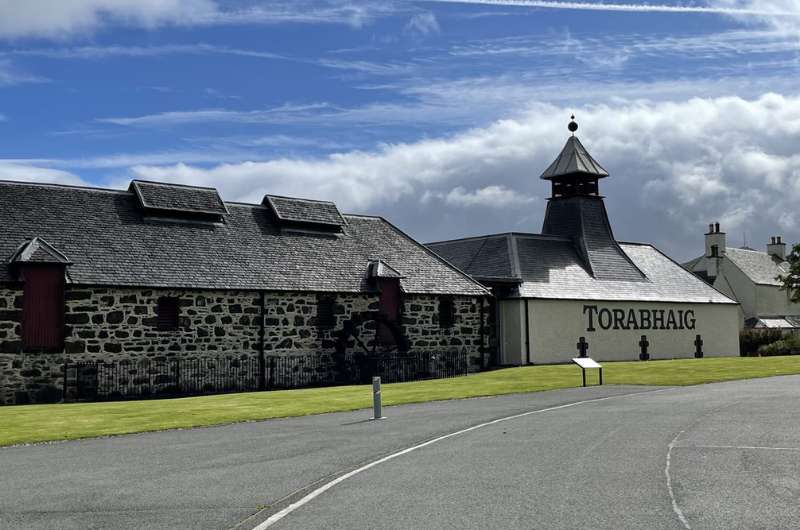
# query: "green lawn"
37, 423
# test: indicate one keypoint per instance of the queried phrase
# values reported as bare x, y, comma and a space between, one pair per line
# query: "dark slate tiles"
574, 158
305, 210
760, 267
178, 198
111, 242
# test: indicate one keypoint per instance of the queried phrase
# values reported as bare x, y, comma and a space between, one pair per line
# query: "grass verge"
39, 423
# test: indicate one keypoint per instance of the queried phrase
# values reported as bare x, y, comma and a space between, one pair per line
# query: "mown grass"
39, 423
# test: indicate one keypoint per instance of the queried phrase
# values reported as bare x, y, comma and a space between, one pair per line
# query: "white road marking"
675, 507
753, 447
274, 518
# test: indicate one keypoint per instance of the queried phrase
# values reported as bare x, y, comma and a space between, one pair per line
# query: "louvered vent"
158, 199
306, 214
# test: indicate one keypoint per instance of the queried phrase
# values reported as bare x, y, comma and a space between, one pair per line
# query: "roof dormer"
179, 202
305, 214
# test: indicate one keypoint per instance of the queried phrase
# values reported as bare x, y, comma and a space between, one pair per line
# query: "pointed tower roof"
574, 159
37, 250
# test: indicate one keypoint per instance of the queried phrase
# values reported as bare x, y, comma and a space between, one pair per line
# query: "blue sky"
438, 115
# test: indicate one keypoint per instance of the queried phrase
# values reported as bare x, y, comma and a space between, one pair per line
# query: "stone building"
750, 277
166, 271
575, 284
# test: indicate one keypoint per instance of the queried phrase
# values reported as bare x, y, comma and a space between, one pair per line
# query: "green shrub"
789, 345
750, 340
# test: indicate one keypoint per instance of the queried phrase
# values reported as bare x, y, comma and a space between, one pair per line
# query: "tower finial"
573, 126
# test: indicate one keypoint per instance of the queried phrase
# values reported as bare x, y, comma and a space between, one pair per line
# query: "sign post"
376, 399
586, 362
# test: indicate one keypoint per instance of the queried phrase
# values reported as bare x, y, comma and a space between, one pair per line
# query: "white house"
750, 277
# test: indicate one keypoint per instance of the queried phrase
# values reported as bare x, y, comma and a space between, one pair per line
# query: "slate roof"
37, 250
584, 221
112, 242
774, 322
573, 159
760, 267
483, 258
550, 268
162, 196
380, 269
305, 210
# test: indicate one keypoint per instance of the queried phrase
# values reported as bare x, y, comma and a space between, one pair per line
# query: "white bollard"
376, 399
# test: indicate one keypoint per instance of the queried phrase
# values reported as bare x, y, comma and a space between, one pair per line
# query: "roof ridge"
174, 184
66, 186
298, 198
436, 256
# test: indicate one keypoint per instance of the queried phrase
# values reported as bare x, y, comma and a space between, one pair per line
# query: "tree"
791, 280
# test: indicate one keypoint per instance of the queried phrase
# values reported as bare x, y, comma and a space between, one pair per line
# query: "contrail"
638, 8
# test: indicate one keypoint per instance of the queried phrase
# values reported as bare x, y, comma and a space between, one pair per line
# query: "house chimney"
715, 249
776, 247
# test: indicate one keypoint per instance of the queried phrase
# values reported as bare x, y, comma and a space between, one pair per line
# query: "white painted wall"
556, 325
512, 332
736, 285
756, 300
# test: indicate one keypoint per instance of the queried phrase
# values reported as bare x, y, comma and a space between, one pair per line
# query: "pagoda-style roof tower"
574, 171
576, 210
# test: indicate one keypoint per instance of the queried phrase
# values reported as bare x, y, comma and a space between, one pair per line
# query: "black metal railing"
144, 378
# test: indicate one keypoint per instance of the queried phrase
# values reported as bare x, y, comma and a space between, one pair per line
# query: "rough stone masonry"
117, 324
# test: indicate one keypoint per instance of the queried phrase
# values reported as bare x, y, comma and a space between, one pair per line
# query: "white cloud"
10, 170
725, 7
423, 24
63, 18
782, 15
675, 166
11, 75
489, 196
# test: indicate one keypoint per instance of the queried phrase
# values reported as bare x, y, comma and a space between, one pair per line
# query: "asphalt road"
734, 462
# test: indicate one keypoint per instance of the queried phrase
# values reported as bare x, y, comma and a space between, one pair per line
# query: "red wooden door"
43, 307
389, 307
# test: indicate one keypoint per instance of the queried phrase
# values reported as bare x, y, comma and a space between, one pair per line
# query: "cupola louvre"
178, 201
305, 213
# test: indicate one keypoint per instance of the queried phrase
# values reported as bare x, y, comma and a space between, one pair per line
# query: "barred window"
446, 312
326, 312
168, 313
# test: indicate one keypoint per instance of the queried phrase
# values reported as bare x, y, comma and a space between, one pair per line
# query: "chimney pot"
772, 240
779, 240
716, 228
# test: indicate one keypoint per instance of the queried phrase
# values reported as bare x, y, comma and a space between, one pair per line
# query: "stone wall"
291, 322
421, 326
120, 325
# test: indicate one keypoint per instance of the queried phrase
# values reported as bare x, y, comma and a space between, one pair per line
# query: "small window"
326, 308
168, 313
446, 312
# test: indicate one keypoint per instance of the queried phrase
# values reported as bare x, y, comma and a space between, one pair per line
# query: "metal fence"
144, 378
